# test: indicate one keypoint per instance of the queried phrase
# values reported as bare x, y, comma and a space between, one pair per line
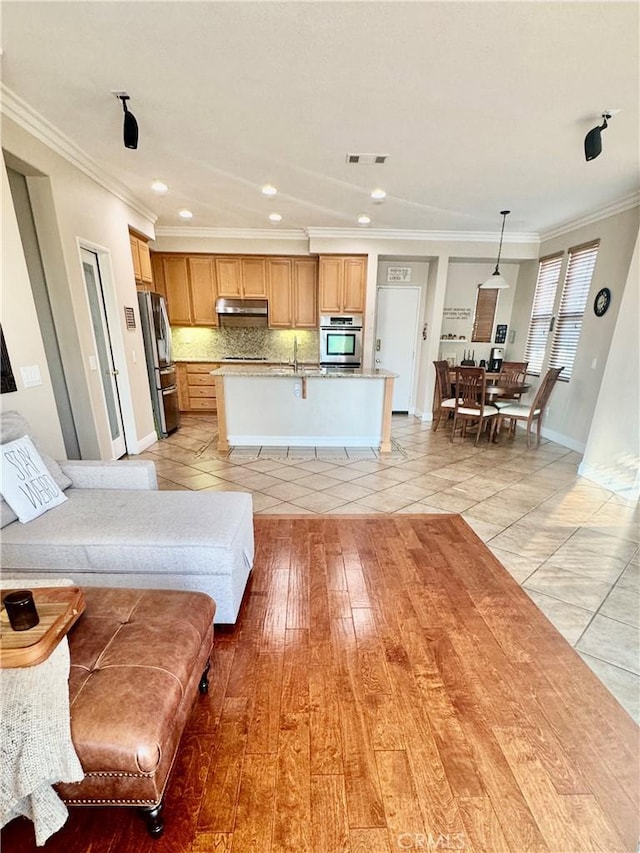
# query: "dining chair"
443, 402
511, 372
535, 412
469, 403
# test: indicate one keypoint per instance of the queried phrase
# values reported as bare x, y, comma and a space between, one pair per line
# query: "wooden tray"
58, 608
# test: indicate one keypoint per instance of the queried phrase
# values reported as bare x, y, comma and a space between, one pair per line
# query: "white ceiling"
480, 106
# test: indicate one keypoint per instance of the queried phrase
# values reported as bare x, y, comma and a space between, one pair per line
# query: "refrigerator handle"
167, 329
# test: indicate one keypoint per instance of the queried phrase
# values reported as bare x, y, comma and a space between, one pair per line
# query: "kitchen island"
279, 406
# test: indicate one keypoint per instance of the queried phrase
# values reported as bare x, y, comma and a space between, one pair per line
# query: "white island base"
267, 407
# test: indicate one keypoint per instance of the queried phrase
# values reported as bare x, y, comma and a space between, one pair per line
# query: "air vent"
367, 159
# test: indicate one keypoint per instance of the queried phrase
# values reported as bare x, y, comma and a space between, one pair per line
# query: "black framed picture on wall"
8, 382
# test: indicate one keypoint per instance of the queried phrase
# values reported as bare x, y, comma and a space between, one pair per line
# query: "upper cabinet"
240, 277
292, 293
189, 284
141, 258
343, 284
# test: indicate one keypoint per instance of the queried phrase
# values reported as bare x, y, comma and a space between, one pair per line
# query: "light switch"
594, 362
93, 364
31, 376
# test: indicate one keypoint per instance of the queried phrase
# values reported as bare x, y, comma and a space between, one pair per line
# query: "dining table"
495, 390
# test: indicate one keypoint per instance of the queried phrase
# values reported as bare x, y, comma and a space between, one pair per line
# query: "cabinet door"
183, 387
135, 256
145, 262
203, 291
330, 283
254, 280
158, 274
229, 277
305, 294
177, 285
354, 286
280, 293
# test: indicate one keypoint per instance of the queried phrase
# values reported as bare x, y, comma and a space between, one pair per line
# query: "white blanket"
36, 749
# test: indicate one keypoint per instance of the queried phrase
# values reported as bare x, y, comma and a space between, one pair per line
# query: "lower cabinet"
196, 386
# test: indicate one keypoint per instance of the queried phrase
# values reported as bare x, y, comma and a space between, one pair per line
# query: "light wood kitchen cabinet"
176, 280
305, 293
292, 293
202, 289
158, 274
280, 293
241, 278
342, 284
190, 289
141, 257
196, 386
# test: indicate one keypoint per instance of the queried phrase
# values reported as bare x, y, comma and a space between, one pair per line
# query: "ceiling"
479, 106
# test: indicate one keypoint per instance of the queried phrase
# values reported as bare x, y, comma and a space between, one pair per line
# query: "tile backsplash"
205, 344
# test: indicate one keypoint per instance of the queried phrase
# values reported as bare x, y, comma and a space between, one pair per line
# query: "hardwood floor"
388, 687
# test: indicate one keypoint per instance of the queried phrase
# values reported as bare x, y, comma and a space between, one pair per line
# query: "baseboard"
564, 440
304, 441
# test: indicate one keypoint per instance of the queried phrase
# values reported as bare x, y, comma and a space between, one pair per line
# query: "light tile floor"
572, 545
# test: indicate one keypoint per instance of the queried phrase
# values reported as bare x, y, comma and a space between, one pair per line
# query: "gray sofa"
117, 529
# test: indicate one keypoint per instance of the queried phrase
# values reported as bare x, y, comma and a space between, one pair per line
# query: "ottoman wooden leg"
203, 687
153, 818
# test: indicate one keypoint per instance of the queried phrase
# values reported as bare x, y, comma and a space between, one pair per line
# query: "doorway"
397, 319
105, 361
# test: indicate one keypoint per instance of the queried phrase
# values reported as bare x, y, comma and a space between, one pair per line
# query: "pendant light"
495, 280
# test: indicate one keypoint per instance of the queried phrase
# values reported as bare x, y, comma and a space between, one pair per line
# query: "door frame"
112, 314
413, 384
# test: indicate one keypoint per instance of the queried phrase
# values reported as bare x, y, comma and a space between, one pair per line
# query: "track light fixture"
130, 129
593, 139
495, 280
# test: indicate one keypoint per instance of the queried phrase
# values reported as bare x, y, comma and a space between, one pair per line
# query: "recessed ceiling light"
363, 219
269, 189
185, 214
159, 187
275, 217
378, 194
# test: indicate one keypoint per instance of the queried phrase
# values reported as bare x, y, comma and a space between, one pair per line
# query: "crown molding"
424, 236
232, 233
14, 108
620, 206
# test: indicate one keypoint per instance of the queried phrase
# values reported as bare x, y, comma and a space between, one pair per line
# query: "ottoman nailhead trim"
113, 802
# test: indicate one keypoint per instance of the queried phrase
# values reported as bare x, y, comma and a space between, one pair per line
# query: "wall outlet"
296, 390
594, 362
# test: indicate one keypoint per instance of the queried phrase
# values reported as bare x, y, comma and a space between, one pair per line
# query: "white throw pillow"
27, 486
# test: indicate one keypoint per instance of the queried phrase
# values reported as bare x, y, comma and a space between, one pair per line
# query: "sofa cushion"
27, 486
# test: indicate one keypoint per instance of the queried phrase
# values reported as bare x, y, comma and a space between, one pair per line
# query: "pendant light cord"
504, 214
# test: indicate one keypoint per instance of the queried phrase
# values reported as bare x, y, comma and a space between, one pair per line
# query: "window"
542, 312
486, 301
582, 261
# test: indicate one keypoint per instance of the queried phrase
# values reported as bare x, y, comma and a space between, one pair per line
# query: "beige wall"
573, 403
71, 209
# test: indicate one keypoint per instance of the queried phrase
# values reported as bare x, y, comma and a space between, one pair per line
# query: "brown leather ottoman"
138, 658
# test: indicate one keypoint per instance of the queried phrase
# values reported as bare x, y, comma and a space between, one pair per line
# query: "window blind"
575, 293
542, 312
486, 301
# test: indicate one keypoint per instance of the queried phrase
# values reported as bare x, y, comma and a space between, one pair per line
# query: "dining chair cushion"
487, 411
517, 410
502, 404
448, 404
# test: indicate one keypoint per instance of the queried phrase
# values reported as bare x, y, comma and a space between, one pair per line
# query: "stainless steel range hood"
242, 312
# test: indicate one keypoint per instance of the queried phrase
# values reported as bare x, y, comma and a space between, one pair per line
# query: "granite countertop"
304, 372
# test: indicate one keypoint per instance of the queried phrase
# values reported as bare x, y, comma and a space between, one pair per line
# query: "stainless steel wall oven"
341, 340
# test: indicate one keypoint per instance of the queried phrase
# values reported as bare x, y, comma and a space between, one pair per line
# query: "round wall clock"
602, 301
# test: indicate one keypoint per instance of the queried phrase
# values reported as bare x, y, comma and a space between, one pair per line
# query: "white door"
103, 360
396, 337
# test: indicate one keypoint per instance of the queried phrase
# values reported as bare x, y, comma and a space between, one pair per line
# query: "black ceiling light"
593, 139
130, 130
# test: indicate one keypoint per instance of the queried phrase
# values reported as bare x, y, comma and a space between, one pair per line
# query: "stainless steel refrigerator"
160, 367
